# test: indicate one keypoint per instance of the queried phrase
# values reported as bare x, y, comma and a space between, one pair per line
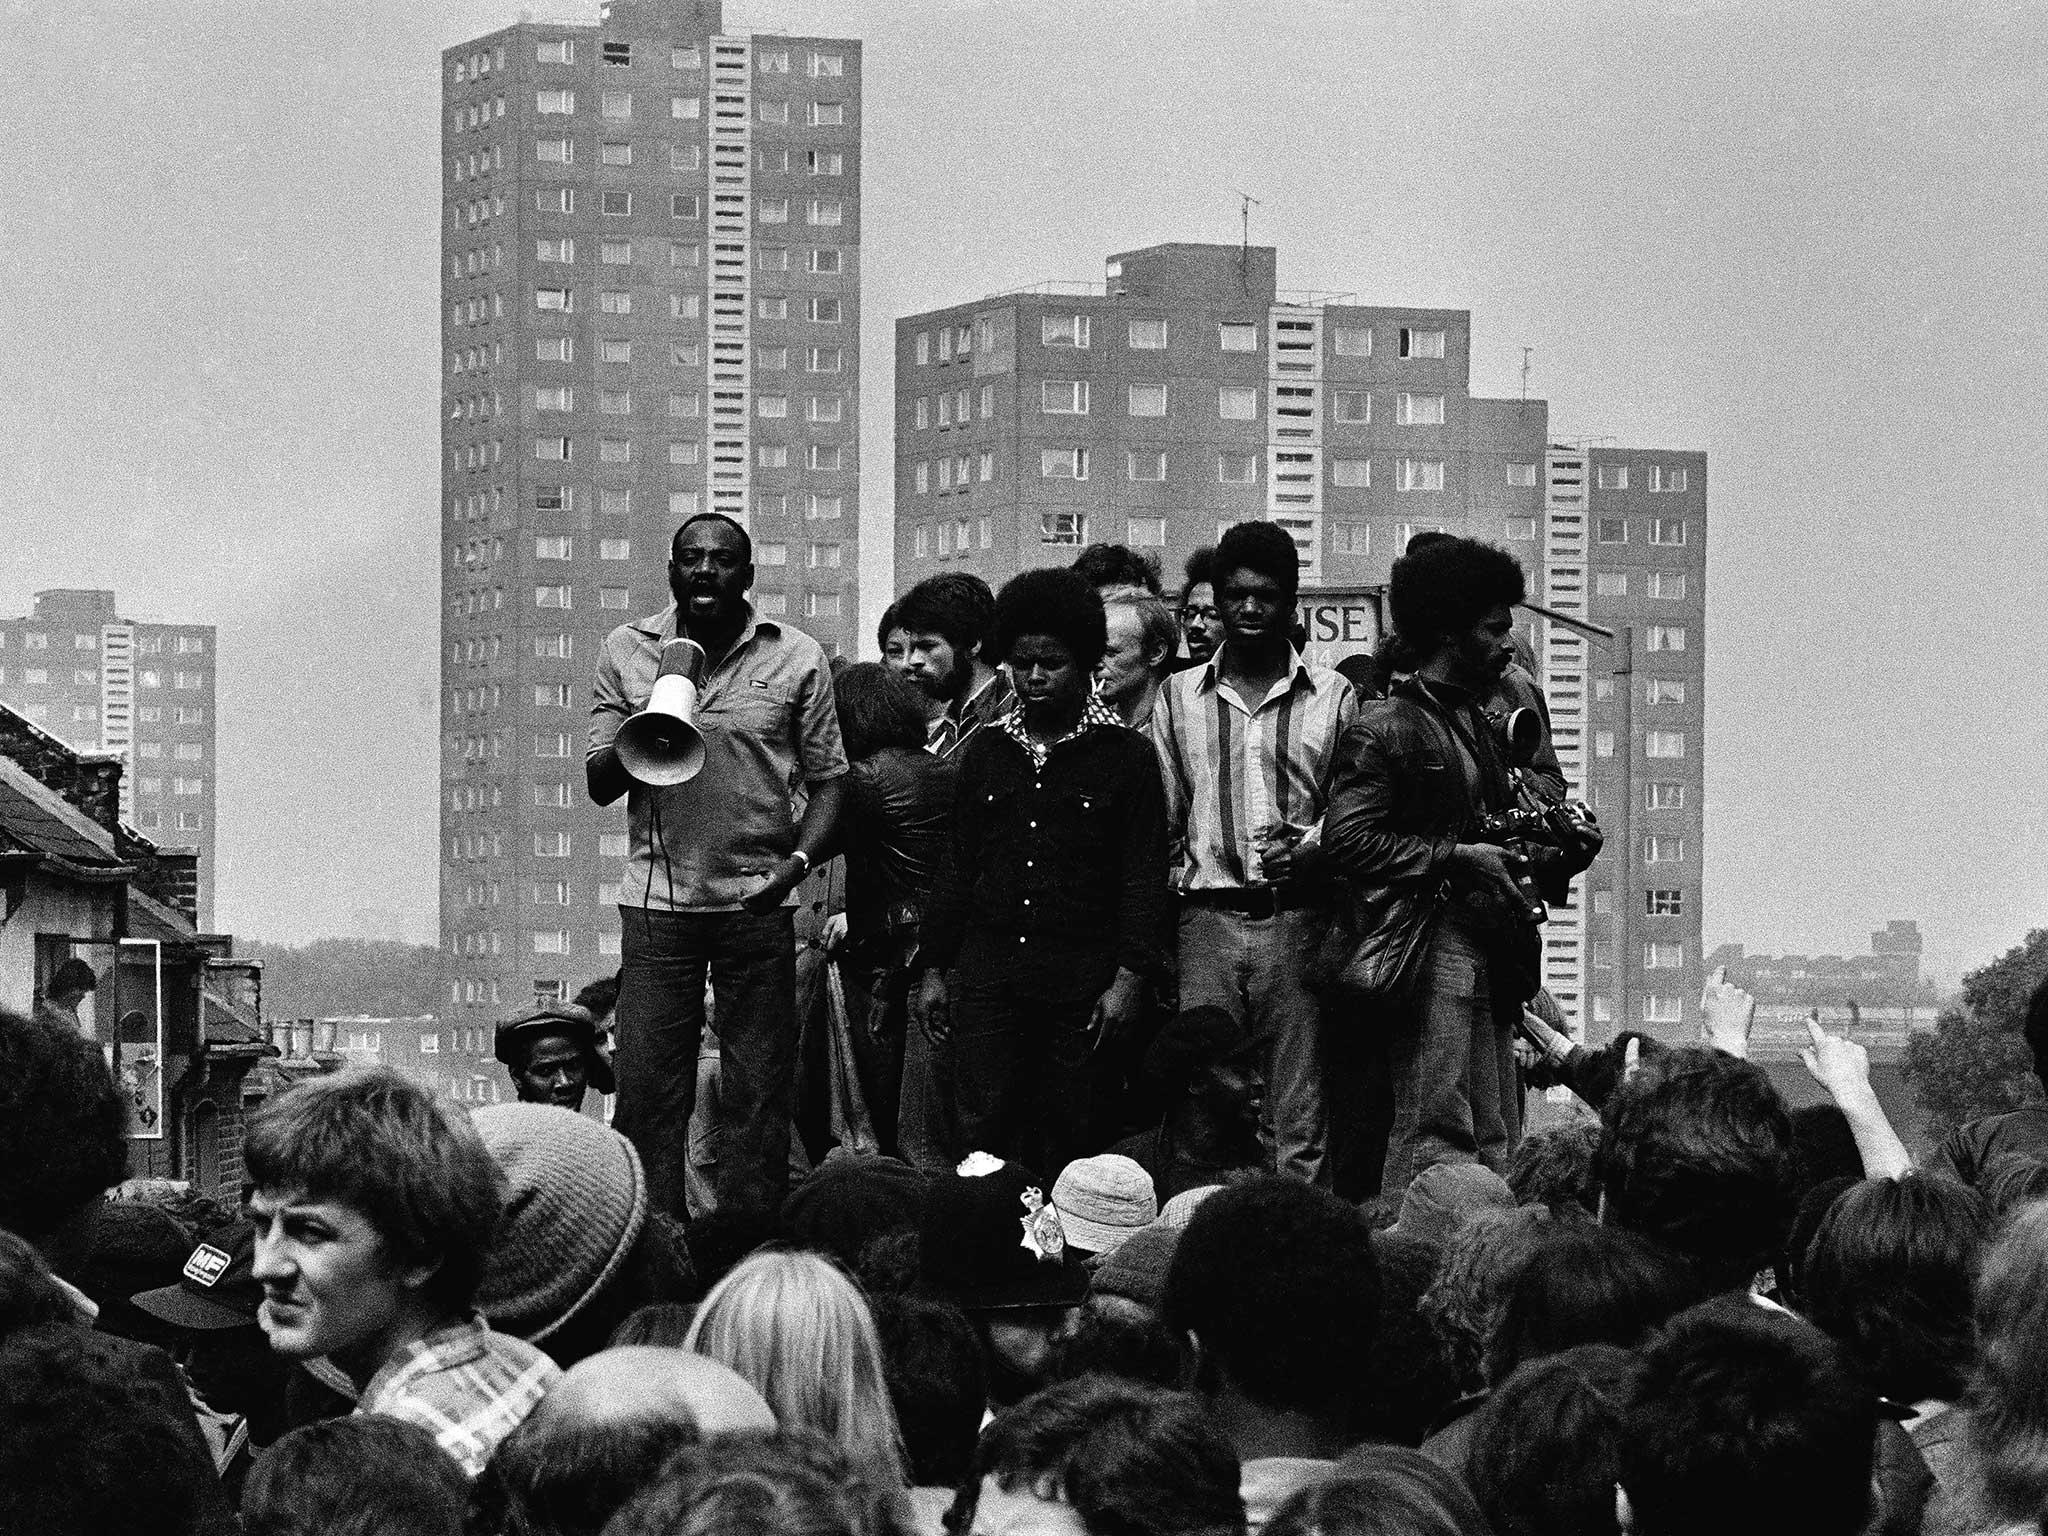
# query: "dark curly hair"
1257, 546
784, 1482
1554, 1167
362, 1474
1444, 586
1544, 1457
1889, 1276
1586, 1284
953, 605
1058, 604
1130, 1459
1696, 1152
1200, 570
91, 1446
1116, 565
1279, 1283
1747, 1419
63, 1125
877, 709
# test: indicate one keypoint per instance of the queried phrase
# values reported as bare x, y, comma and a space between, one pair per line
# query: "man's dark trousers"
751, 961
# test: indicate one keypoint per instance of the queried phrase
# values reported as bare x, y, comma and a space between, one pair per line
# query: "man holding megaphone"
710, 719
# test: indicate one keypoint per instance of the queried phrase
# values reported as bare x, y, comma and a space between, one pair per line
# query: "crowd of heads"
1615, 1339
1686, 1315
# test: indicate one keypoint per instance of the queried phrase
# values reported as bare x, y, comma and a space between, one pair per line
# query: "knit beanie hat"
1444, 1197
1137, 1270
574, 1208
1102, 1200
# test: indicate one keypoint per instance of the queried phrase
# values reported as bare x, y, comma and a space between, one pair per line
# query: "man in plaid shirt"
374, 1209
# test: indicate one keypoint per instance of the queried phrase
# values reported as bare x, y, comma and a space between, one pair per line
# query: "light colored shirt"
1269, 1481
465, 1385
769, 727
1233, 768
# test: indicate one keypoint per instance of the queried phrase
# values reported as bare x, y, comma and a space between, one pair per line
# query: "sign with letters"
1341, 622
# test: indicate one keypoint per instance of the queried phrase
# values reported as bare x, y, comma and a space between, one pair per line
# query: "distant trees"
1976, 1062
348, 976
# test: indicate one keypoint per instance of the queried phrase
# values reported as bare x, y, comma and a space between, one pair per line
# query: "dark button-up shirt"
769, 726
1071, 853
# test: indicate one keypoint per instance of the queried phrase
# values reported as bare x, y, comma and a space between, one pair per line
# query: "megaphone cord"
647, 897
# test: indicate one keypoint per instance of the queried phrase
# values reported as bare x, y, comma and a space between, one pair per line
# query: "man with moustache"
947, 622
1414, 776
713, 867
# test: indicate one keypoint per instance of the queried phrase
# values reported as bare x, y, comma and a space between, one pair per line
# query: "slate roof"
36, 819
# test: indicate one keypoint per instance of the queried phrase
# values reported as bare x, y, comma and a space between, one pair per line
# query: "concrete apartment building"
650, 308
1187, 391
141, 691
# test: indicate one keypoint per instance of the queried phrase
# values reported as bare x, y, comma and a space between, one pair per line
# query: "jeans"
1452, 1067
1025, 1078
751, 961
1252, 969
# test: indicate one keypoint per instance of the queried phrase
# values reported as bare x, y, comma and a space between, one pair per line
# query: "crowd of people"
1174, 1178
1688, 1311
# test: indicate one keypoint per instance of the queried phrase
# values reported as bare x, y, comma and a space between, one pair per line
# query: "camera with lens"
1554, 840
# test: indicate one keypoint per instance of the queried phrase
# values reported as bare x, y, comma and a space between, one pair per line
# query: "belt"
1257, 901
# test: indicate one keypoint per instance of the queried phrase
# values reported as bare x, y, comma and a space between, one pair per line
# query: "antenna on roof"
1245, 204
1525, 371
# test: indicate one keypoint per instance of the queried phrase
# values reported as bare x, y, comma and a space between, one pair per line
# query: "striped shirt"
465, 1385
1232, 770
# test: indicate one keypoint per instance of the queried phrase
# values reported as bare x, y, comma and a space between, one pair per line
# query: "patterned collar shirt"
465, 1385
769, 729
1095, 715
1234, 770
986, 706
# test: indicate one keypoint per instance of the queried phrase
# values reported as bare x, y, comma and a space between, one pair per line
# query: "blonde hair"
2006, 1428
800, 1332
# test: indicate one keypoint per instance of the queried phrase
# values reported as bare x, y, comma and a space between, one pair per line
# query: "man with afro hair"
1050, 913
1414, 777
1275, 1290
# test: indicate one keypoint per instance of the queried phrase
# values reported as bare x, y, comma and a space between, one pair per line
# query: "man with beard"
713, 867
1414, 776
948, 623
554, 1056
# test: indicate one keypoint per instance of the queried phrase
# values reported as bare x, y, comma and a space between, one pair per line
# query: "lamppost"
1621, 646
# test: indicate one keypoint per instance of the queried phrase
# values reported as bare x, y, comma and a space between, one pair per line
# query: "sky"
1803, 238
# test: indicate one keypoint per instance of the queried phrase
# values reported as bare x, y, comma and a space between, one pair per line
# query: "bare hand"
1493, 866
1727, 1014
1631, 1057
833, 934
1116, 1010
1549, 1045
1838, 1064
931, 1010
1280, 854
783, 879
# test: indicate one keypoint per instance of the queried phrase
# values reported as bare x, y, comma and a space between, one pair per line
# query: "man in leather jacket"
1414, 775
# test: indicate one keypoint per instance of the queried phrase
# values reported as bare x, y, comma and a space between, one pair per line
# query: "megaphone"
661, 745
